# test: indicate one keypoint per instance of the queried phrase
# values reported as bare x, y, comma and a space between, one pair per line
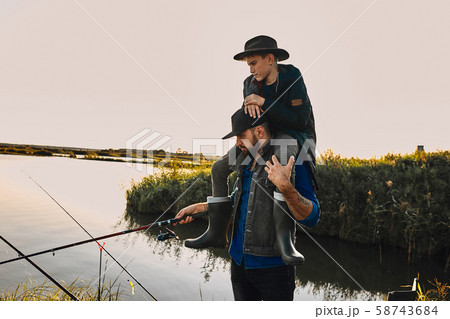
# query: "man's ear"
260, 131
271, 58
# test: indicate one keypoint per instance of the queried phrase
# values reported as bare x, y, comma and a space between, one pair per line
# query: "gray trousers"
220, 171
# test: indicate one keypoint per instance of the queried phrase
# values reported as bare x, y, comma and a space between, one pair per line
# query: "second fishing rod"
124, 232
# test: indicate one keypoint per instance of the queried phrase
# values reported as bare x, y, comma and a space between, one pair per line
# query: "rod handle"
198, 215
194, 216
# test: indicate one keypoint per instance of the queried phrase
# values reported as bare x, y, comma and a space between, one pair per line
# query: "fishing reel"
170, 234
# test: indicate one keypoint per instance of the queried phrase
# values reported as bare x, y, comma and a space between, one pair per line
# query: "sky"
97, 73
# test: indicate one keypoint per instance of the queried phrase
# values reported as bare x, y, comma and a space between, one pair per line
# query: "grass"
30, 290
33, 291
155, 194
439, 292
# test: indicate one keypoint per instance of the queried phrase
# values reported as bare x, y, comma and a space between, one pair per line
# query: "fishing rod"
124, 232
40, 269
106, 251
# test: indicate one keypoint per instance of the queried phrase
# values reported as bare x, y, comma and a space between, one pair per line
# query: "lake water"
93, 192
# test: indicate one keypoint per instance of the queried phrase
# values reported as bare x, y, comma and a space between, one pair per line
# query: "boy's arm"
295, 115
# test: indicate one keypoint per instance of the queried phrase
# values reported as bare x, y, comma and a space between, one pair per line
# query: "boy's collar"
261, 84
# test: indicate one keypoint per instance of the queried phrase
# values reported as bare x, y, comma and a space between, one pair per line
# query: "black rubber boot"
285, 232
219, 212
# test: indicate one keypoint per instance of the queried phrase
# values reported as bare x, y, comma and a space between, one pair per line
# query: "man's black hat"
241, 122
262, 44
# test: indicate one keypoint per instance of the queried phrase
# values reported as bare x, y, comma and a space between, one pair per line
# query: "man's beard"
254, 144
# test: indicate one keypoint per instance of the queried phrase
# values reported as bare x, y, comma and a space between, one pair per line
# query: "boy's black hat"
241, 122
262, 44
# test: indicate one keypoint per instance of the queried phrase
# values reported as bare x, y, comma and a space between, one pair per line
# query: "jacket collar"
287, 74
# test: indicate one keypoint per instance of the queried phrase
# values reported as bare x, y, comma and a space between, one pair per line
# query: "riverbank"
398, 201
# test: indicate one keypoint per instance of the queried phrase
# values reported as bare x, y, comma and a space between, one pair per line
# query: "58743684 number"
406, 310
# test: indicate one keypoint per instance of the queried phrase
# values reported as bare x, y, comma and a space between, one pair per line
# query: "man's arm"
299, 206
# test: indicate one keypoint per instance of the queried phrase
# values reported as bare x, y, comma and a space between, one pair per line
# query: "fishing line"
100, 270
160, 223
106, 251
41, 270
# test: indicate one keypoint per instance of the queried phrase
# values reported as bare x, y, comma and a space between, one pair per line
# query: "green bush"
398, 200
157, 193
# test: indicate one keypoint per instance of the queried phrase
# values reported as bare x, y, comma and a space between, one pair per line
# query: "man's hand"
253, 104
189, 210
278, 174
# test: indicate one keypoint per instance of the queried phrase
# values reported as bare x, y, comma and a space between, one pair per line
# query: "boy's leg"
220, 171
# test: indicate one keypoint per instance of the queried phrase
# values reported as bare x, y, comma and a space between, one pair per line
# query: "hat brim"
231, 134
260, 120
280, 53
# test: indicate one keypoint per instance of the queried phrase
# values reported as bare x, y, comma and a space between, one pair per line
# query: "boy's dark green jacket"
287, 105
289, 109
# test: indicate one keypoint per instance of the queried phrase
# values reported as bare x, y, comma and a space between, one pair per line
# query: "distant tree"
91, 155
42, 152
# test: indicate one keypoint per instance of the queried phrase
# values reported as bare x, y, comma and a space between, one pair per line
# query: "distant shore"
180, 157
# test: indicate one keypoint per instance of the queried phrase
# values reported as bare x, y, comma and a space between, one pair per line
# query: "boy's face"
260, 67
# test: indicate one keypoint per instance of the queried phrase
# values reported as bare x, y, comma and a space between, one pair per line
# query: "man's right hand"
189, 210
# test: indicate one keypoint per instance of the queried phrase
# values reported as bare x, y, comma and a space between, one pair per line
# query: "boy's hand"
253, 104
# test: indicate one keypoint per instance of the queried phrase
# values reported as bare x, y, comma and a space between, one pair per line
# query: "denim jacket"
259, 237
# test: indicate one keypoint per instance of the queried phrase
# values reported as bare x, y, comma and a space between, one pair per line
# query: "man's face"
246, 140
259, 67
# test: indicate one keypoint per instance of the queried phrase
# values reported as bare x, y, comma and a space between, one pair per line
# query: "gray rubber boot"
285, 232
219, 212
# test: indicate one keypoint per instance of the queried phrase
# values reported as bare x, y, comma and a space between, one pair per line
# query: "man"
278, 94
262, 225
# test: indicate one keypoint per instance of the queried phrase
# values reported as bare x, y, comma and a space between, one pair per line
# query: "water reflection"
214, 259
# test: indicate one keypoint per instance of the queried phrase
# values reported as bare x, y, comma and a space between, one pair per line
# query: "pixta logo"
148, 148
